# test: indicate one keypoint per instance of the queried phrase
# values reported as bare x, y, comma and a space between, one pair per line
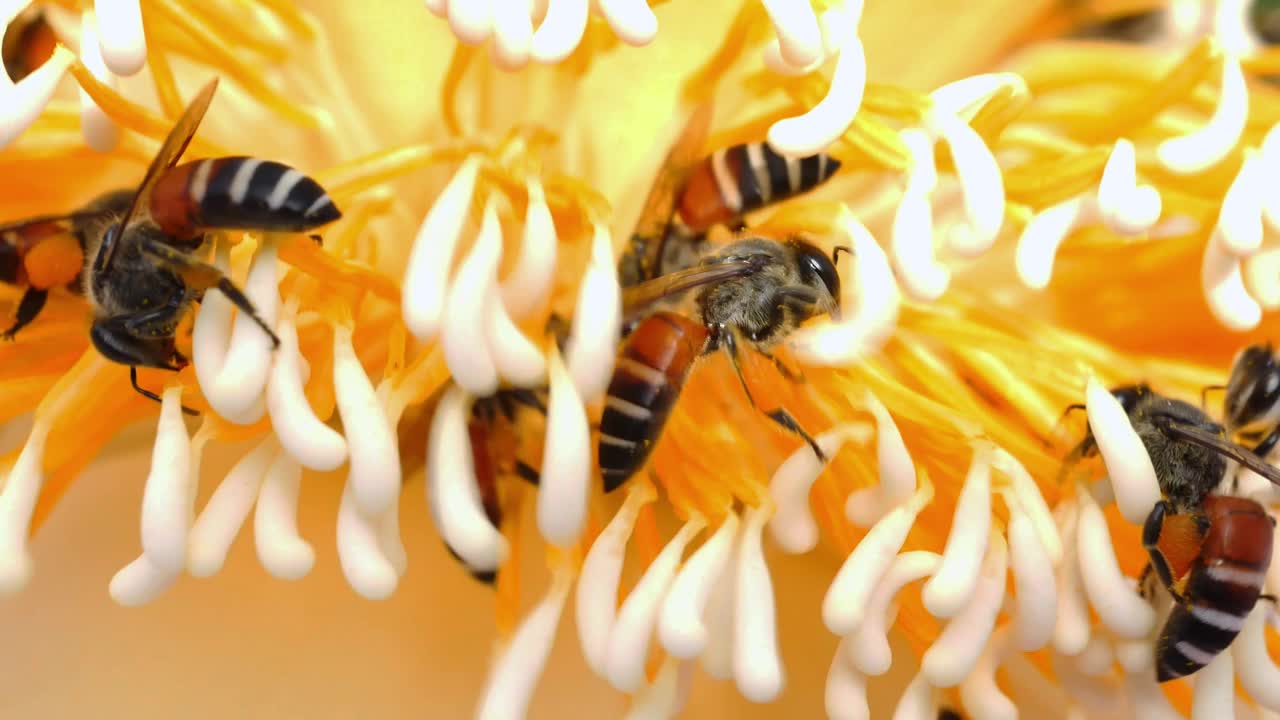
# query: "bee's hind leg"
28, 308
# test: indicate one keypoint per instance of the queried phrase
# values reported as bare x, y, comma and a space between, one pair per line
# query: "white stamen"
1036, 595
923, 277
100, 132
597, 322
773, 60
140, 582
561, 30
1262, 278
529, 283
453, 489
665, 697
1123, 205
757, 668
979, 693
596, 597
169, 492
868, 646
281, 550
1224, 289
515, 675
813, 131
211, 330
1135, 656
1133, 477
1110, 592
681, 627
629, 638
22, 103
1209, 144
1097, 657
516, 358
950, 589
426, 278
846, 691
304, 436
981, 184
1240, 217
1031, 501
1071, 632
236, 393
632, 20
918, 702
1215, 690
1040, 239
364, 564
955, 653
439, 8
465, 351
966, 96
792, 526
718, 658
1148, 700
512, 33
1257, 671
897, 471
799, 37
374, 472
124, 45
471, 21
225, 512
566, 461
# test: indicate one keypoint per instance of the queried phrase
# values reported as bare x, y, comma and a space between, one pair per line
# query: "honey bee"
1210, 552
28, 42
752, 292
1251, 408
129, 252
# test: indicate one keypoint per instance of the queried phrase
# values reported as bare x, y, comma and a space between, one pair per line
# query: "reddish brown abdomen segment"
652, 366
738, 179
1221, 589
238, 193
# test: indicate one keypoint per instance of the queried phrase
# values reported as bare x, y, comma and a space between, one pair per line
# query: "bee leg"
527, 473
133, 380
794, 376
28, 308
526, 397
1150, 541
778, 415
1204, 395
1264, 448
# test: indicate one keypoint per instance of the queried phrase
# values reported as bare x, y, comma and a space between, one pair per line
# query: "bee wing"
42, 226
638, 298
168, 155
659, 206
1223, 447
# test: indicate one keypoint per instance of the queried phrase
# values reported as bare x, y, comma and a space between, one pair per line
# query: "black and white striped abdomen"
752, 176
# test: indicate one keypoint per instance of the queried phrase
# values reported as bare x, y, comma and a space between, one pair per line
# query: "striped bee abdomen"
239, 193
652, 366
742, 178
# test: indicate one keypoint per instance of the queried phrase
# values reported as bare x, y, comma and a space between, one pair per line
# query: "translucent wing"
168, 155
1222, 446
638, 298
44, 225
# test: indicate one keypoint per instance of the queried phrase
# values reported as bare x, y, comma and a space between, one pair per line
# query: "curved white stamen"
124, 45
718, 658
924, 278
792, 525
918, 702
665, 697
966, 96
681, 626
1224, 288
597, 322
596, 597
799, 37
515, 675
516, 358
1209, 144
954, 654
561, 30
1135, 656
465, 351
1262, 277
304, 436
846, 691
1133, 477
236, 393
100, 132
439, 8
364, 564
454, 490
22, 103
981, 184
1038, 244
1215, 690
950, 589
773, 60
629, 638
1240, 216
512, 33
566, 461
169, 491
281, 550
1031, 501
1072, 629
211, 330
471, 21
1147, 699
529, 283
1123, 205
1257, 671
757, 668
813, 131
374, 472
846, 598
389, 541
897, 471
1110, 592
631, 20
1036, 595
979, 693
868, 646
140, 582
426, 278
223, 515
1097, 657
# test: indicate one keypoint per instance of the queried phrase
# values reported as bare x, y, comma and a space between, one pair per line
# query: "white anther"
211, 330
950, 589
281, 550
897, 471
439, 8
471, 21
566, 461
775, 62
629, 638
1257, 671
845, 603
1215, 690
426, 279
682, 628
981, 184
374, 473
956, 651
632, 20
792, 526
665, 697
757, 668
718, 658
1240, 216
1072, 629
169, 492
1224, 289
561, 30
813, 131
1031, 502
1206, 146
845, 697
596, 597
223, 515
100, 132
979, 693
1135, 656
530, 282
1038, 244
515, 674
22, 103
1036, 598
512, 33
597, 322
124, 45
868, 646
1262, 277
799, 37
918, 702
140, 582
516, 358
1123, 205
1133, 477
873, 299
1147, 699
364, 564
236, 392
468, 356
1097, 657
1110, 592
966, 96
389, 541
453, 489
924, 278
304, 436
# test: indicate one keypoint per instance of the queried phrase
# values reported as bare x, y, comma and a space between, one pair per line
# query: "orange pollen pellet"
54, 262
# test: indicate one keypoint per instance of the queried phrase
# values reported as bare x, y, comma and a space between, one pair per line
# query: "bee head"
1253, 389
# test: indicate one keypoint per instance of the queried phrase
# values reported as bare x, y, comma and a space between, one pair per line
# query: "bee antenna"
835, 253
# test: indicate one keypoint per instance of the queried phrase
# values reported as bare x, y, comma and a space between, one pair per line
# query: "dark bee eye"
1264, 19
1128, 396
1253, 389
816, 263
